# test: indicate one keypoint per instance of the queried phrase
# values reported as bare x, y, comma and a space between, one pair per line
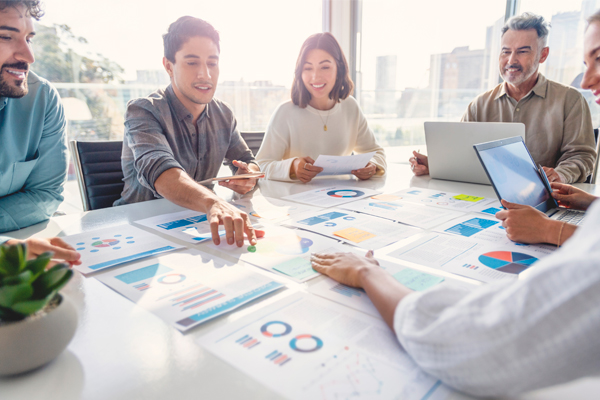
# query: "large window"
425, 61
101, 54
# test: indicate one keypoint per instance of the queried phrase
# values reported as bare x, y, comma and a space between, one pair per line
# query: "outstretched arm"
175, 185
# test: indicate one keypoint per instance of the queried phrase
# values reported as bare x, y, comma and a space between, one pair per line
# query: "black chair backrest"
102, 176
253, 140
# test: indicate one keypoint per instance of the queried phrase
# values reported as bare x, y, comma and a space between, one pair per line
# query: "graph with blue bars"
471, 227
183, 222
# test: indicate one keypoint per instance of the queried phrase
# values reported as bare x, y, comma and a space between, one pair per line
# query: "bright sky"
260, 39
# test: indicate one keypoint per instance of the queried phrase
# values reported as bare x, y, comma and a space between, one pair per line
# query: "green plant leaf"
23, 277
51, 280
10, 295
32, 306
14, 258
37, 265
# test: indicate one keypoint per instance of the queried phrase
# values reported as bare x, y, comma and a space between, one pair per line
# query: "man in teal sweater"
33, 154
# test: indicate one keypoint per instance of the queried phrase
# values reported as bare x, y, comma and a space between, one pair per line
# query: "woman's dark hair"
182, 30
34, 7
343, 84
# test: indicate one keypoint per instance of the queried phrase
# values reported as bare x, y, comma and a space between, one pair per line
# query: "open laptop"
516, 178
450, 147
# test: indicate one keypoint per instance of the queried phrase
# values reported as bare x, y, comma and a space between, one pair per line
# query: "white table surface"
122, 351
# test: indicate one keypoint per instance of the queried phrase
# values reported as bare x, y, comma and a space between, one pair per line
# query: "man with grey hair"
558, 124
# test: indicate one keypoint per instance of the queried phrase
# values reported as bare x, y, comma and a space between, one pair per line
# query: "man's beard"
20, 88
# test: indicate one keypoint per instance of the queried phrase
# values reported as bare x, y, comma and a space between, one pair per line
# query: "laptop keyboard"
571, 216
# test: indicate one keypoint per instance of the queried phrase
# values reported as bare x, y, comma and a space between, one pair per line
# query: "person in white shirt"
321, 118
507, 337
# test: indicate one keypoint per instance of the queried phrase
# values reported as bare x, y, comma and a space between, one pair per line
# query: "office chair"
253, 140
99, 173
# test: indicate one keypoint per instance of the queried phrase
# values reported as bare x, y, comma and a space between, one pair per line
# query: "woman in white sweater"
321, 118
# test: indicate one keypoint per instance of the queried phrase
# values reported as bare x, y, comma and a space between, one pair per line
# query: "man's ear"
544, 55
168, 66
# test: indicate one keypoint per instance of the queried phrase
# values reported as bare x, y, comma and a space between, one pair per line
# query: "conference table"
122, 351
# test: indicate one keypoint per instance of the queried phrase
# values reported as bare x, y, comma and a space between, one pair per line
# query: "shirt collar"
180, 111
540, 89
3, 101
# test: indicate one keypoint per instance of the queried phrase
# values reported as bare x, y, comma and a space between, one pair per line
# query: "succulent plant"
26, 286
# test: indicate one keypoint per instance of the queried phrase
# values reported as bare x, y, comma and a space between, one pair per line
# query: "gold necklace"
326, 119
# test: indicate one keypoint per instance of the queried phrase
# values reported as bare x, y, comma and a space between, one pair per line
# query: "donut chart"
306, 343
171, 279
278, 329
345, 193
507, 261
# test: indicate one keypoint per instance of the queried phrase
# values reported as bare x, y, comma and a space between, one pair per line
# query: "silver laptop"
516, 178
450, 147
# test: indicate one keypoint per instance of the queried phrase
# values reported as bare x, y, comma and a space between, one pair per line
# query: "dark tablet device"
514, 175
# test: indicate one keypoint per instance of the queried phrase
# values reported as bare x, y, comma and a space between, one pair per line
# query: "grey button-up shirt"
160, 135
558, 124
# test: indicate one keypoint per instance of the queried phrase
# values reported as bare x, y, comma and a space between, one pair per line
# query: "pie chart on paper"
507, 261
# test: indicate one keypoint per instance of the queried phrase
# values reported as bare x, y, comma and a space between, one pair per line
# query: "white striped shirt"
513, 336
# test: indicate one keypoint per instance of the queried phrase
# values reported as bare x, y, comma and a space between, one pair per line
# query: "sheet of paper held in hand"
340, 165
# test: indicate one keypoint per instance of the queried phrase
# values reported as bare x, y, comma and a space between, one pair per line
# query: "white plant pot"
36, 340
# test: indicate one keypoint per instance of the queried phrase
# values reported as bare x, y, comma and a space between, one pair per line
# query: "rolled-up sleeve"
510, 337
578, 150
150, 149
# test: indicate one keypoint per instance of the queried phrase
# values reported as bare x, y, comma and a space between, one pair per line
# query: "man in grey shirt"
558, 123
180, 135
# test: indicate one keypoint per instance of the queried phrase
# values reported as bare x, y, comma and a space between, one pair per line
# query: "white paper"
283, 251
406, 213
188, 288
190, 226
267, 208
104, 248
340, 165
437, 198
481, 260
362, 230
305, 347
331, 196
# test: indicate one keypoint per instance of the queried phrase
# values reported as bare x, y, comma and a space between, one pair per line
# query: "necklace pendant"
325, 128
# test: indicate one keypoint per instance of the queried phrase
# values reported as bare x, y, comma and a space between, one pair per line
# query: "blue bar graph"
143, 273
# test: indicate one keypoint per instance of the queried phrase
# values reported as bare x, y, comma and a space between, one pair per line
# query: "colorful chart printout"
329, 352
190, 226
188, 288
282, 250
362, 230
331, 196
105, 248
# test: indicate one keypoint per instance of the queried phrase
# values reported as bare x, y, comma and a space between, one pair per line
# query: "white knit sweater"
298, 132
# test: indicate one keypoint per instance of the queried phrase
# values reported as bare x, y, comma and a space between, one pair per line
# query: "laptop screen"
513, 173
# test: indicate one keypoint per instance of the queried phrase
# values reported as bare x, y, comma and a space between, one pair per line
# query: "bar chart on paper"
305, 347
188, 288
362, 230
190, 226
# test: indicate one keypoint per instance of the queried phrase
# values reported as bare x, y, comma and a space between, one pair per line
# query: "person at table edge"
558, 123
180, 135
33, 154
